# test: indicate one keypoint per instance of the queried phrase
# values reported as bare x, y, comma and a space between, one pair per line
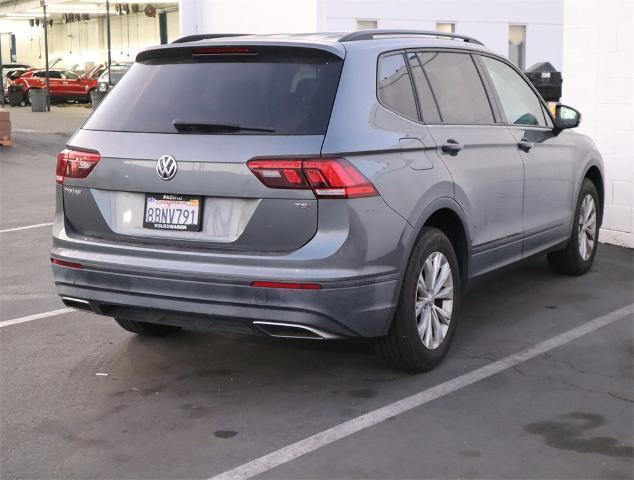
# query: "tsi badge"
166, 167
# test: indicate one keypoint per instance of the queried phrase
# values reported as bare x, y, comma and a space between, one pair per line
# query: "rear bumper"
356, 256
340, 309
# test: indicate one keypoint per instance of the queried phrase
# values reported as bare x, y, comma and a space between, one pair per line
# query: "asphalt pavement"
539, 382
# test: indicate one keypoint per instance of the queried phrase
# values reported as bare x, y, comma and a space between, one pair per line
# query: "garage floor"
82, 398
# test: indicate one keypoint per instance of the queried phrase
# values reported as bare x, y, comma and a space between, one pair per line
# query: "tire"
573, 259
146, 329
403, 347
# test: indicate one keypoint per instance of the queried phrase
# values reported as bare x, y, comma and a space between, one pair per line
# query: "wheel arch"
593, 173
446, 215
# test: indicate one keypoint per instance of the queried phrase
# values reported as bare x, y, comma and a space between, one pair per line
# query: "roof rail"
371, 34
207, 36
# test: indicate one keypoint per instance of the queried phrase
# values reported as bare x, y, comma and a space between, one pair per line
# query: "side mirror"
566, 117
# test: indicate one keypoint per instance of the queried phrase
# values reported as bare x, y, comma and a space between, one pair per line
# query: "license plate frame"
191, 202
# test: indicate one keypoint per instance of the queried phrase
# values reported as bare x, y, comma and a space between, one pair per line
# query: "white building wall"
599, 81
544, 43
249, 16
486, 20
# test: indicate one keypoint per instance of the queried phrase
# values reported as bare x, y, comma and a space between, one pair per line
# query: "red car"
65, 85
91, 76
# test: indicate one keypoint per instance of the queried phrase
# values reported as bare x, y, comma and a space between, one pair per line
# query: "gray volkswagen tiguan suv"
318, 186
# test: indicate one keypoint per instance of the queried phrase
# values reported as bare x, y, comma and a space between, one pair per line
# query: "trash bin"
546, 79
38, 98
96, 97
16, 96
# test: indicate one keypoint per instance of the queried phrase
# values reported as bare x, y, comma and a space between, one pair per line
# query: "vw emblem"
166, 167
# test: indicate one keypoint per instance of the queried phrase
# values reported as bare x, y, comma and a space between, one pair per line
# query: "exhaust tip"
292, 330
77, 304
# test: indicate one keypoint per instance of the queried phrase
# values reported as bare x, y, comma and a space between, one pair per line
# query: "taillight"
74, 164
327, 177
279, 173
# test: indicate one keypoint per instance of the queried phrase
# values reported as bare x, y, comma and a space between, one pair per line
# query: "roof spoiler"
207, 36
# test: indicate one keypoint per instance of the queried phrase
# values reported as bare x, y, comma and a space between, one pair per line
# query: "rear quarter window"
394, 86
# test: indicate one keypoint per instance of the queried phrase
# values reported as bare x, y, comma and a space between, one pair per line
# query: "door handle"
525, 145
452, 147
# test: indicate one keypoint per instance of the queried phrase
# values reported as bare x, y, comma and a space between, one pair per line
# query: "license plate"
172, 212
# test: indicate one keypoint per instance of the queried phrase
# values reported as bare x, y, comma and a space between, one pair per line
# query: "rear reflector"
64, 263
292, 286
75, 164
327, 177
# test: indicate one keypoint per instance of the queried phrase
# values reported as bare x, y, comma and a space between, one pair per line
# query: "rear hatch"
166, 152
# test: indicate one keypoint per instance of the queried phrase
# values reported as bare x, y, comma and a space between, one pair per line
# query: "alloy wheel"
434, 300
587, 226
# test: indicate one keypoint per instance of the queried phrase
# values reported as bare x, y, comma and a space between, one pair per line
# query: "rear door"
481, 154
548, 158
211, 111
53, 79
72, 86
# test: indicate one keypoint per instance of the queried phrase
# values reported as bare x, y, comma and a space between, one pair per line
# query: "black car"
11, 71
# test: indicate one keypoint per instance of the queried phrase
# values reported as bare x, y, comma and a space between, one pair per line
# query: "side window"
457, 88
69, 75
395, 87
428, 108
51, 74
549, 122
520, 104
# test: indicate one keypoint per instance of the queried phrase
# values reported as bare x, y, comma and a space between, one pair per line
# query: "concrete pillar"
190, 17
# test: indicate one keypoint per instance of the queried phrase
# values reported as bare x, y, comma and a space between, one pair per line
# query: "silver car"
318, 186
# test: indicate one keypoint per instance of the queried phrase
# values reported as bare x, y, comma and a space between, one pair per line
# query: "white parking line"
27, 227
343, 430
36, 316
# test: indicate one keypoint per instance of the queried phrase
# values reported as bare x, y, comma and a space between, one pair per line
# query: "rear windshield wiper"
199, 127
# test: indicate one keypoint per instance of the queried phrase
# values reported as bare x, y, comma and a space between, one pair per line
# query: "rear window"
272, 93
